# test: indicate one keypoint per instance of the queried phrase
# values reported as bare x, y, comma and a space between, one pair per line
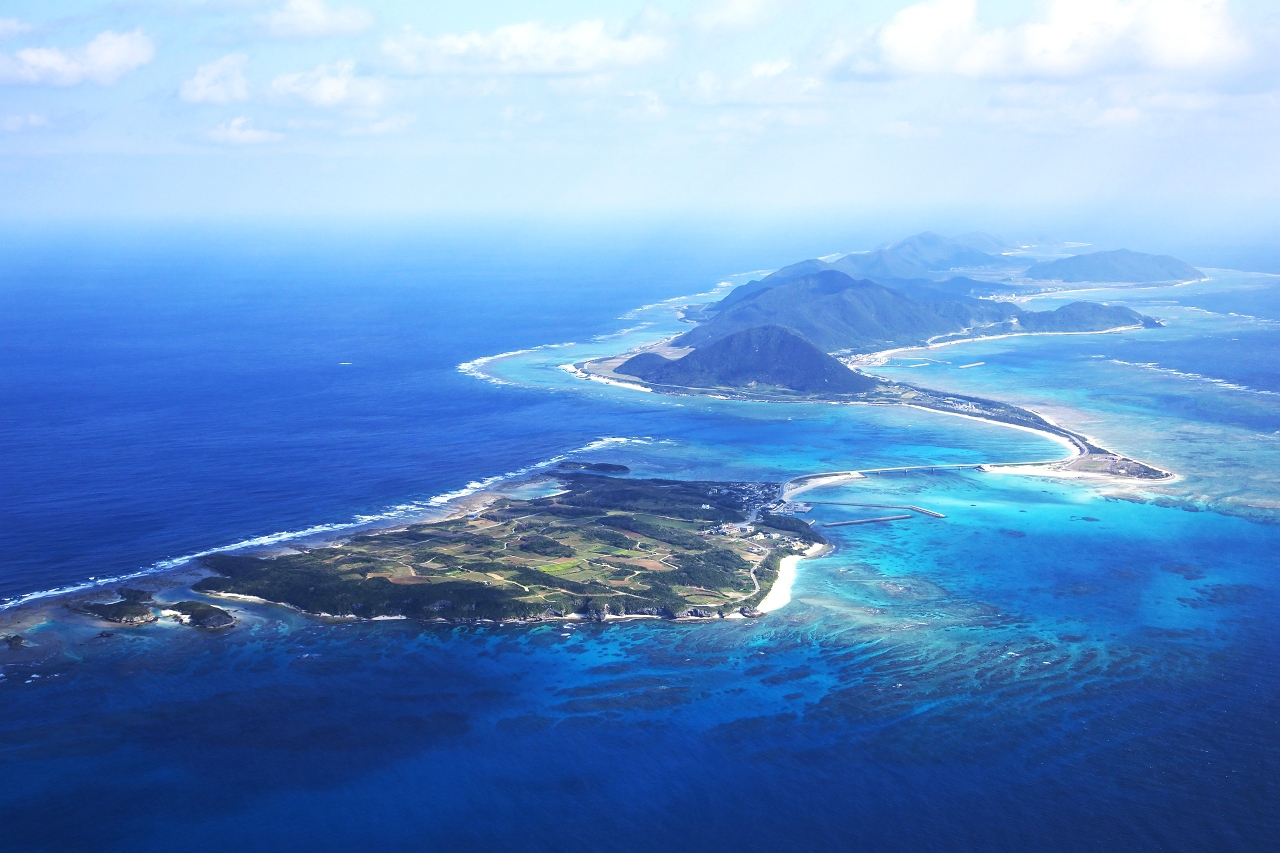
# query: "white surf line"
1125, 287
879, 359
1227, 384
1075, 450
475, 367
397, 514
1032, 467
575, 371
1038, 468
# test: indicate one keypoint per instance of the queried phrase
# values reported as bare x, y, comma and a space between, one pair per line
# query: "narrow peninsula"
799, 334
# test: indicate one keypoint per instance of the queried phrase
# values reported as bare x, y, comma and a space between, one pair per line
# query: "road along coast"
1085, 456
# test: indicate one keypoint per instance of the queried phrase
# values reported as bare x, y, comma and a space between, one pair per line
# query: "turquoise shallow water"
1056, 665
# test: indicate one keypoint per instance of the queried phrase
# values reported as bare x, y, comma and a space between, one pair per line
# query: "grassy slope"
605, 545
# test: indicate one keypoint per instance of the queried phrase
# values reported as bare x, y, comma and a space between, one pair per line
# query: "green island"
783, 367
603, 547
606, 546
799, 335
138, 607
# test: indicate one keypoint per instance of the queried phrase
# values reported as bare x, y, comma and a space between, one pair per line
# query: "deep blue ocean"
1056, 666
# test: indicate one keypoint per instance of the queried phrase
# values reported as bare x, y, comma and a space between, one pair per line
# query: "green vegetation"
840, 314
913, 258
603, 546
833, 311
545, 545
763, 355
1119, 265
123, 612
793, 527
201, 614
1083, 317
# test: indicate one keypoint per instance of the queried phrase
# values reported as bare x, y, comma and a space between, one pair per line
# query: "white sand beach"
780, 594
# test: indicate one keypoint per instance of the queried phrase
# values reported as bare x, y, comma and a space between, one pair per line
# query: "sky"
1138, 114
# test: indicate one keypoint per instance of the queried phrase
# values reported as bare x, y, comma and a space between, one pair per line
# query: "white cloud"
394, 124
104, 61
220, 82
765, 83
770, 69
907, 130
1072, 37
303, 19
732, 14
12, 26
647, 104
240, 131
927, 36
14, 124
330, 86
525, 49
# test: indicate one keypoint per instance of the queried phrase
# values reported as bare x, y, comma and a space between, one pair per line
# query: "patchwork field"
603, 546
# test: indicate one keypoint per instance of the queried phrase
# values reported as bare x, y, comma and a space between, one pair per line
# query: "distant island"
770, 355
778, 338
927, 263
843, 315
1120, 265
607, 546
916, 257
602, 547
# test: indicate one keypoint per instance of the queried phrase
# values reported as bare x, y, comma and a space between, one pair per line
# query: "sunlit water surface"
1055, 665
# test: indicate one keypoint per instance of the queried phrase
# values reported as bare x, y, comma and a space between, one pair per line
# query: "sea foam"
414, 509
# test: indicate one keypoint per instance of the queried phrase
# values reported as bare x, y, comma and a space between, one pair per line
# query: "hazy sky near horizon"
1166, 109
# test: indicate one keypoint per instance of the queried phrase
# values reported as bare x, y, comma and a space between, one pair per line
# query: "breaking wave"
1154, 367
399, 512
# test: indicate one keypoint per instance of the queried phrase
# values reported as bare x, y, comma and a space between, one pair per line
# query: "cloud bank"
330, 86
220, 82
104, 60
528, 48
240, 131
12, 27
308, 19
1070, 38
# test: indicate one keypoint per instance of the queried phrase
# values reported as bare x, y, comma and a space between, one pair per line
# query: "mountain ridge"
1119, 265
838, 313
761, 355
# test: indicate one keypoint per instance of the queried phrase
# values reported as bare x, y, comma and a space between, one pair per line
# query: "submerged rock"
15, 641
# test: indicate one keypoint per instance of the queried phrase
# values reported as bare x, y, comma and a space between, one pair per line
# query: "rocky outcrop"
200, 614
129, 613
765, 355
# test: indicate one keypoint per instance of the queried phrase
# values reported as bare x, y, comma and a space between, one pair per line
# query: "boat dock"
911, 507
867, 520
830, 478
